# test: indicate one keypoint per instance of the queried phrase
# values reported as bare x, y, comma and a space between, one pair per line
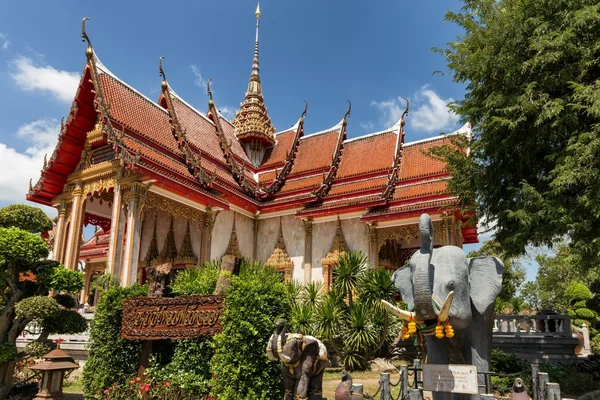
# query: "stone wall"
244, 227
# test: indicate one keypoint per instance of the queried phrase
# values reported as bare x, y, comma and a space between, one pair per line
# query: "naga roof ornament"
394, 175
252, 121
192, 159
328, 179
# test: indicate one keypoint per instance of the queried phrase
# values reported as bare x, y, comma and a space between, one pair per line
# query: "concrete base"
537, 348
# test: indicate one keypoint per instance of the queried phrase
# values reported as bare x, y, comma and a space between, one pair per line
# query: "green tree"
22, 254
531, 70
512, 279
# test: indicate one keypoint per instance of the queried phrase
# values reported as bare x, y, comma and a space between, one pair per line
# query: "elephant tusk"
443, 315
405, 315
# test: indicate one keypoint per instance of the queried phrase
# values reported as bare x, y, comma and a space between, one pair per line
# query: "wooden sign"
184, 317
454, 378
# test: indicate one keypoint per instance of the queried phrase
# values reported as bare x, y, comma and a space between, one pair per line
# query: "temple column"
131, 252
86, 283
61, 232
373, 248
308, 235
75, 229
207, 227
117, 223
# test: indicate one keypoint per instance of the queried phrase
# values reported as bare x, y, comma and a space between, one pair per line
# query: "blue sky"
323, 52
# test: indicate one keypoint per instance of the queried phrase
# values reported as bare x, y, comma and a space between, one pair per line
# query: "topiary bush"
200, 280
65, 300
66, 322
111, 359
60, 278
255, 300
37, 308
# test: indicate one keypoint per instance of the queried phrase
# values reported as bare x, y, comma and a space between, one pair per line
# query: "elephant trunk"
422, 285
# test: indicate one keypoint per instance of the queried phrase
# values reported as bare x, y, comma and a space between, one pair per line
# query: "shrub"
8, 352
38, 349
200, 280
37, 308
65, 300
111, 359
66, 322
61, 279
28, 218
255, 300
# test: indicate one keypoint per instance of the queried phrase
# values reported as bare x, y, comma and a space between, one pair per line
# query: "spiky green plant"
302, 319
347, 273
360, 335
313, 294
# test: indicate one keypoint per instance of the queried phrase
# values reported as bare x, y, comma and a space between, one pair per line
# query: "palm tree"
347, 273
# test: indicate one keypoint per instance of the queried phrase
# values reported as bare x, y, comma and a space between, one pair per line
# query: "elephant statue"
303, 361
445, 290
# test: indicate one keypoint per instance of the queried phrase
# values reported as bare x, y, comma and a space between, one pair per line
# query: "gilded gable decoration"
338, 248
233, 248
169, 249
186, 254
279, 258
394, 175
152, 253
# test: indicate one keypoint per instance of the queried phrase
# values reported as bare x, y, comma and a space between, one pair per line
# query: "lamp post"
53, 369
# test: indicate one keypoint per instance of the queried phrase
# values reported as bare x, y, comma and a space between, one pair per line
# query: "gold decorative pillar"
373, 248
87, 280
134, 199
308, 229
114, 248
207, 227
75, 231
61, 232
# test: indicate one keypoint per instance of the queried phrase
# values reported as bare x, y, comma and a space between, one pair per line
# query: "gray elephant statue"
445, 290
303, 361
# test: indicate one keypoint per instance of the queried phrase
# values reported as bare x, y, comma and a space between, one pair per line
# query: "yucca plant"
302, 319
347, 273
293, 292
313, 294
360, 335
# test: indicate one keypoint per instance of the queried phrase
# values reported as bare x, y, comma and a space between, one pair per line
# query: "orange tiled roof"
368, 154
276, 154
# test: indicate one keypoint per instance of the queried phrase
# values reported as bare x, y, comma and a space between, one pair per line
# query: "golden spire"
252, 121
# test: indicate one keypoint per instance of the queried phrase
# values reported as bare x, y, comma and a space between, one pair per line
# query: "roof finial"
209, 92
161, 72
404, 114
255, 67
89, 52
344, 121
305, 109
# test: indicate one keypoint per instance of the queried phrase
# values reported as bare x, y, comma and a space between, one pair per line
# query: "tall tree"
22, 255
532, 70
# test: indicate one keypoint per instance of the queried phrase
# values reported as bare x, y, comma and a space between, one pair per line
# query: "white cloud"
41, 135
367, 126
29, 77
198, 80
227, 112
428, 113
4, 42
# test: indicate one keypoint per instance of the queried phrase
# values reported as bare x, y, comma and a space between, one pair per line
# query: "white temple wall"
323, 234
244, 227
355, 233
293, 235
162, 228
221, 234
268, 229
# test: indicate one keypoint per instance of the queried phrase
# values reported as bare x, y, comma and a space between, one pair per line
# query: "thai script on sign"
454, 378
182, 317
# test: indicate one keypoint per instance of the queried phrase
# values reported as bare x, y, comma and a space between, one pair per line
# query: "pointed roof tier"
252, 120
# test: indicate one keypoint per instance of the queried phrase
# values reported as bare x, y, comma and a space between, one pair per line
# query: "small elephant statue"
450, 300
303, 361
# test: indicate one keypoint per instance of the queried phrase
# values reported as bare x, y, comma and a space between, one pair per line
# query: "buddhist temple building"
165, 182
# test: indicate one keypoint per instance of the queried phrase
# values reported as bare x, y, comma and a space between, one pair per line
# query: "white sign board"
450, 378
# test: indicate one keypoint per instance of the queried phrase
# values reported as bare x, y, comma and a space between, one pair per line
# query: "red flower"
167, 383
138, 379
145, 387
131, 382
105, 391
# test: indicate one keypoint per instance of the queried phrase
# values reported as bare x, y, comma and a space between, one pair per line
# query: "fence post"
535, 368
404, 380
384, 381
542, 378
357, 388
552, 391
518, 391
567, 325
417, 365
415, 394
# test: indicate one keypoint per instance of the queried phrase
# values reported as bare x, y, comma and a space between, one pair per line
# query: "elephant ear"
485, 280
402, 279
